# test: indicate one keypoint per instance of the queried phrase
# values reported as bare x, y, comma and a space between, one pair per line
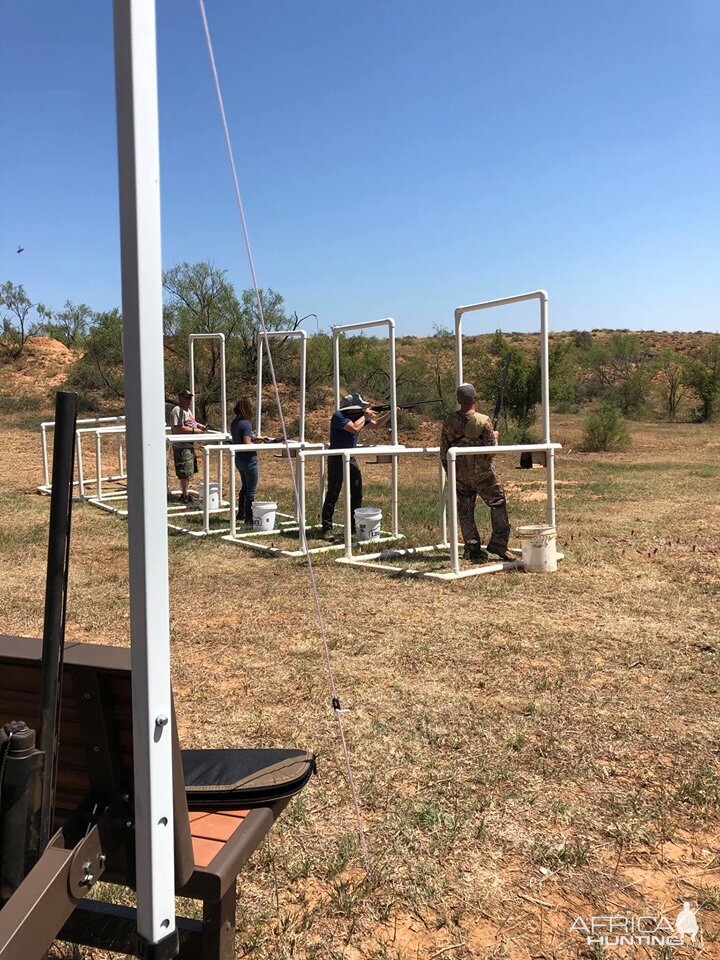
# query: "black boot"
473, 551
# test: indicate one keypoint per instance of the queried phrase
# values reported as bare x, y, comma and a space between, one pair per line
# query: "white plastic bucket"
213, 495
367, 522
539, 553
264, 514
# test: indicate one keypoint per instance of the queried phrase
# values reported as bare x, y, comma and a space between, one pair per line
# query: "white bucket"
264, 514
213, 495
539, 552
367, 522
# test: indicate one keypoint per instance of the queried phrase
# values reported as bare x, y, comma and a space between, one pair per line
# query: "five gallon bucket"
367, 522
539, 553
213, 495
264, 515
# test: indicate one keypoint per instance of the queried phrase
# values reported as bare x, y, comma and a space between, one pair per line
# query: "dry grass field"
528, 748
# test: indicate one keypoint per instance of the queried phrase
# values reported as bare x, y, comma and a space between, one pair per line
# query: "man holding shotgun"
476, 475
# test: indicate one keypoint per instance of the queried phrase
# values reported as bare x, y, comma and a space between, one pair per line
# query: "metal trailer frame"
141, 270
86, 425
388, 322
223, 379
296, 334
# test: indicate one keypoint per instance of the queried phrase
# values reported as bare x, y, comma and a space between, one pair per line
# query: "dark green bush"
605, 429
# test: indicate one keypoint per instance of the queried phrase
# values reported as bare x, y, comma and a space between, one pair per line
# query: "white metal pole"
348, 505
452, 486
139, 181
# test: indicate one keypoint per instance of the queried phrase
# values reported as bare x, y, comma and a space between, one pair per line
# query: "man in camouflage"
476, 477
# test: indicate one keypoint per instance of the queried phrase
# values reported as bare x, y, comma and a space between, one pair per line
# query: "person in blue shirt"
246, 463
345, 426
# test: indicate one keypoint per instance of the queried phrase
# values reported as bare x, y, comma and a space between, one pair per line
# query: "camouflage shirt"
468, 430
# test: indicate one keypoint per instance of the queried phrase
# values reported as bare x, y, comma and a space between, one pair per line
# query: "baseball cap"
466, 393
353, 401
184, 395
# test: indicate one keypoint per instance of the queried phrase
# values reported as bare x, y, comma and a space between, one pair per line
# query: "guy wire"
263, 329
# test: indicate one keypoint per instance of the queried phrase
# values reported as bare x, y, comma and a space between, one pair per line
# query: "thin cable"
311, 569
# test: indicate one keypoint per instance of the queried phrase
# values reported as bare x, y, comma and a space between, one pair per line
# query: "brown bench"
95, 790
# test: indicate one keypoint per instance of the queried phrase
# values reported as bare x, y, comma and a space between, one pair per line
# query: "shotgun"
384, 407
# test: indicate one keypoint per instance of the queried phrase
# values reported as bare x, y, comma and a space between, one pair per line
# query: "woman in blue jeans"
246, 463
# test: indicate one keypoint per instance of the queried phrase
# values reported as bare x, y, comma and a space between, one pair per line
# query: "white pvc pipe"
442, 494
452, 486
342, 328
206, 489
348, 504
223, 383
142, 309
43, 444
98, 465
486, 305
302, 336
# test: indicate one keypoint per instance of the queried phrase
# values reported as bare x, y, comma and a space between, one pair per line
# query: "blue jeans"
249, 474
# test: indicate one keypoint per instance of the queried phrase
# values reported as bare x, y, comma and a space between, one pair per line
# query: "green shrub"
605, 429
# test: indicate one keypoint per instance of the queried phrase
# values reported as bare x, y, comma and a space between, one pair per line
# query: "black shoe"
502, 552
328, 536
473, 551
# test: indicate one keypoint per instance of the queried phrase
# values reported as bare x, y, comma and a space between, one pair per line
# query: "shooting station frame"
223, 378
86, 425
300, 335
380, 561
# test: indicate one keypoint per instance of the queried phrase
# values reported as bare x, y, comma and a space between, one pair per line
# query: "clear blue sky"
396, 158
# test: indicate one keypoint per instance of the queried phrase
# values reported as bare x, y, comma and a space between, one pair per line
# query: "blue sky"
396, 158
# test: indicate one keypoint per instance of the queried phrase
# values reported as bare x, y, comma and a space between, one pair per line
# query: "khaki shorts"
185, 462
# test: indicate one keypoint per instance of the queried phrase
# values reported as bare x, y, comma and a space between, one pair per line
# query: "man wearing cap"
182, 421
345, 427
476, 477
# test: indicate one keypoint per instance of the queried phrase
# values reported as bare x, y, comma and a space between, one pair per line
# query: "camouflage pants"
490, 490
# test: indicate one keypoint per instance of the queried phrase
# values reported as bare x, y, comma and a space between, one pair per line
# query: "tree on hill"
200, 299
670, 368
69, 325
702, 374
18, 324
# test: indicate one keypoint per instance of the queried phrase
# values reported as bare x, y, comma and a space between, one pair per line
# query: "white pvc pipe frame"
232, 449
142, 307
550, 448
337, 331
298, 335
223, 382
85, 424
